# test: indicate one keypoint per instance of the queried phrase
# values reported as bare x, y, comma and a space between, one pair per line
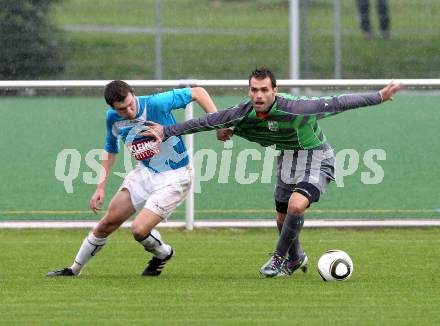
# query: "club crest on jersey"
273, 125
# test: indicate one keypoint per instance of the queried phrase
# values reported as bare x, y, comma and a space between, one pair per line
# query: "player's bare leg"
144, 232
119, 210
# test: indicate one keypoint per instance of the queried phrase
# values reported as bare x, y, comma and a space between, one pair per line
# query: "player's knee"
303, 195
138, 230
296, 208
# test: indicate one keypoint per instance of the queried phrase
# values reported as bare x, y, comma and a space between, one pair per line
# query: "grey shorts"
313, 166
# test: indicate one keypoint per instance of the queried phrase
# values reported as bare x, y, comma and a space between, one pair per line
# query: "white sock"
153, 243
90, 246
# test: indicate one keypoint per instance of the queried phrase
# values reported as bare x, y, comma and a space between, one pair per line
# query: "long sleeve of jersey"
216, 120
292, 122
327, 105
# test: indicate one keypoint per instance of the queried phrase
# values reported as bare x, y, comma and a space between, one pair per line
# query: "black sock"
279, 226
295, 251
290, 233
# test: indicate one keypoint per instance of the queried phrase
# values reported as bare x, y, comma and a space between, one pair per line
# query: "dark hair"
262, 73
116, 91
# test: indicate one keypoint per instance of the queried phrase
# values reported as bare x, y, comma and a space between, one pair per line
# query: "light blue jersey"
170, 154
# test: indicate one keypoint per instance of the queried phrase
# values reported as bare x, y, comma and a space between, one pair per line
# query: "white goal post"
412, 84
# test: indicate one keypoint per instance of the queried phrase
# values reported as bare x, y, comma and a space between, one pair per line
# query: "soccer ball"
335, 265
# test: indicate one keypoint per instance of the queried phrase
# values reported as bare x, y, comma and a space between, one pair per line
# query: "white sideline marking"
312, 223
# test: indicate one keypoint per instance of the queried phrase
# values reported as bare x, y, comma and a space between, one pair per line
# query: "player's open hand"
388, 91
224, 134
153, 129
97, 200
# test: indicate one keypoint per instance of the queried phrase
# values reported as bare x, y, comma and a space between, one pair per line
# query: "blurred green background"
213, 39
37, 130
226, 39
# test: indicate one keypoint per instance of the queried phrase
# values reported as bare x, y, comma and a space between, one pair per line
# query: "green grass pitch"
213, 280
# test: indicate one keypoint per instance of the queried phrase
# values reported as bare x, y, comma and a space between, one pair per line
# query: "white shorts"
161, 192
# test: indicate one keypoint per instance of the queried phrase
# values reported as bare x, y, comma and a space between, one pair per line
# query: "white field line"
238, 211
312, 223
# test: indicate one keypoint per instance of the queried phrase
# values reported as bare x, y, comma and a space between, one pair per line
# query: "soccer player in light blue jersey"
159, 182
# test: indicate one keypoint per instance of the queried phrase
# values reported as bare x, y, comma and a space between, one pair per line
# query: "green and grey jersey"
292, 122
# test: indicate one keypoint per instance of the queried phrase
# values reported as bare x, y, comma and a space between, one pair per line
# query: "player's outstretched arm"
388, 91
156, 130
326, 106
202, 97
217, 120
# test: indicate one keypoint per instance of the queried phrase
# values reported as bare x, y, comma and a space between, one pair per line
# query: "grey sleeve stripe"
334, 104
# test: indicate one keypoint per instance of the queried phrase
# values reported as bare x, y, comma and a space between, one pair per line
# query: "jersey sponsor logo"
273, 125
143, 149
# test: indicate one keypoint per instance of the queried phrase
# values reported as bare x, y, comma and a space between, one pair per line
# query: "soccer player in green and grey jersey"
290, 124
306, 163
